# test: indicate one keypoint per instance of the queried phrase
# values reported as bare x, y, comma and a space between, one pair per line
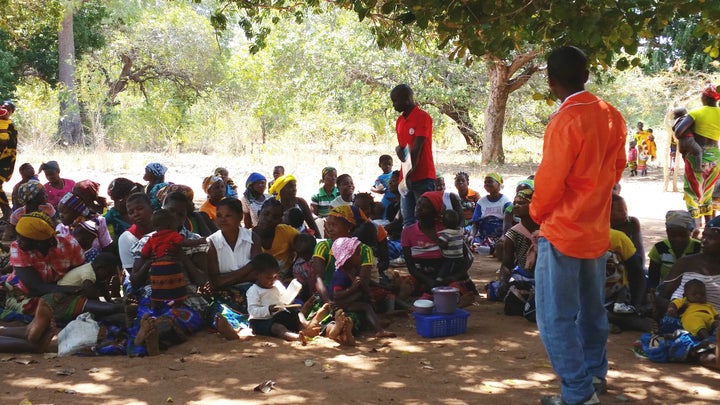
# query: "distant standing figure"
700, 182
414, 130
583, 157
8, 152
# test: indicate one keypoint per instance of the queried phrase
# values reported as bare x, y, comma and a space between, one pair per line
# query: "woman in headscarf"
285, 190
519, 253
253, 198
704, 123
342, 222
423, 255
276, 238
117, 218
214, 187
230, 186
72, 211
40, 258
173, 323
155, 176
196, 222
31, 196
88, 191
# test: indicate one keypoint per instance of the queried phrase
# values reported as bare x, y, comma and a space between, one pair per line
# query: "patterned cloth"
700, 182
343, 249
28, 191
157, 169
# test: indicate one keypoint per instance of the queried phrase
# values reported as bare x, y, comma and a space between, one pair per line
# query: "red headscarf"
711, 92
436, 199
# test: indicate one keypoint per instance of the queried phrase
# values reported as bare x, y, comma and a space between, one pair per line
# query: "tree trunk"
502, 82
70, 127
461, 116
493, 151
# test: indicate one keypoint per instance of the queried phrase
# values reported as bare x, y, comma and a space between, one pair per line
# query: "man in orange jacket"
583, 157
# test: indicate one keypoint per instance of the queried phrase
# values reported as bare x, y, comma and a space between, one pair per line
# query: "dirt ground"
499, 360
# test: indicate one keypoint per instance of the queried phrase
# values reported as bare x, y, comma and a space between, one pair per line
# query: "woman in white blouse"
229, 270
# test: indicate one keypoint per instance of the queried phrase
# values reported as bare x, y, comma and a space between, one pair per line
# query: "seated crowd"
261, 260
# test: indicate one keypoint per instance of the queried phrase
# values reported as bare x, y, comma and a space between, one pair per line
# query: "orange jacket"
583, 157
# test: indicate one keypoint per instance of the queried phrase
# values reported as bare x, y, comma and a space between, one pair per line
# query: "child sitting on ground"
687, 145
346, 188
93, 278
85, 233
451, 242
487, 220
166, 275
347, 289
304, 246
697, 316
385, 163
268, 316
320, 202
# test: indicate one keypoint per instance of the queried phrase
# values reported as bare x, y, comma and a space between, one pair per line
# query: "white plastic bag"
79, 334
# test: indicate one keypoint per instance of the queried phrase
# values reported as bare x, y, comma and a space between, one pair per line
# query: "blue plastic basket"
438, 325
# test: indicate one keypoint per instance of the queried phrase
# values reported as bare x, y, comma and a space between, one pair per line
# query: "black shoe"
556, 400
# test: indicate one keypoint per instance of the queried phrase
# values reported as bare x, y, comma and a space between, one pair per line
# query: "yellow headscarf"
35, 226
349, 213
280, 184
495, 176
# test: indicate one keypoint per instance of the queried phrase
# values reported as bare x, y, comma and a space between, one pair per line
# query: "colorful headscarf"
122, 187
679, 219
74, 202
280, 184
28, 191
343, 249
526, 194
711, 91
254, 178
209, 181
87, 190
157, 169
35, 226
325, 171
175, 188
495, 176
436, 199
529, 183
350, 214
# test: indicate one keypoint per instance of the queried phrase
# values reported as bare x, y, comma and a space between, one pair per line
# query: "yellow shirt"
707, 122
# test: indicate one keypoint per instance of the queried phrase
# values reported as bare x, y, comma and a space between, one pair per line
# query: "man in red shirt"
414, 131
583, 157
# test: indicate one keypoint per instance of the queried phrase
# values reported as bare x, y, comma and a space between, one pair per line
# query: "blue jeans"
407, 202
569, 295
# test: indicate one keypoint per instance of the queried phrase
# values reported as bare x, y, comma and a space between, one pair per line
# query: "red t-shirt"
417, 123
160, 242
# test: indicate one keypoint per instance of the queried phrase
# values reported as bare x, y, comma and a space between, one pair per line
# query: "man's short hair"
567, 66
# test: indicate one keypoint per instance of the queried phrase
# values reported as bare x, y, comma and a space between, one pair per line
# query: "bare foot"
336, 330
148, 335
321, 314
225, 329
40, 323
347, 336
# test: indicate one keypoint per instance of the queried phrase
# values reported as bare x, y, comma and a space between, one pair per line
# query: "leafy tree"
679, 42
506, 35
